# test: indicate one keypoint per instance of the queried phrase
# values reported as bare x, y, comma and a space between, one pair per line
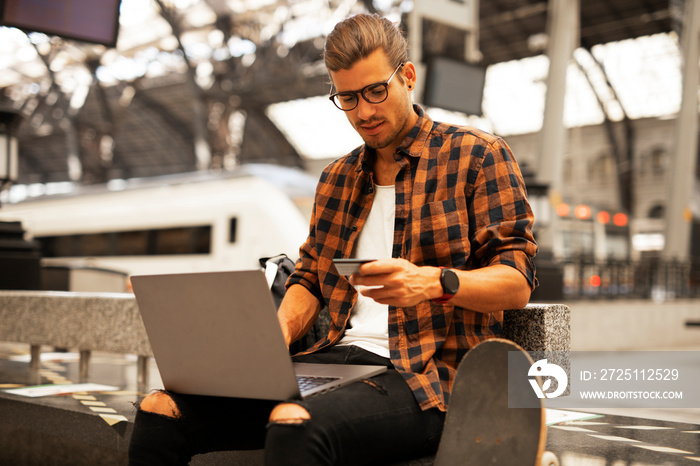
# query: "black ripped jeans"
376, 421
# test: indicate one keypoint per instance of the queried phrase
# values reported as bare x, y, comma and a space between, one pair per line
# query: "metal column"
563, 34
682, 174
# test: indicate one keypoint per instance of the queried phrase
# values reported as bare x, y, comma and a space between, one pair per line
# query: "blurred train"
177, 223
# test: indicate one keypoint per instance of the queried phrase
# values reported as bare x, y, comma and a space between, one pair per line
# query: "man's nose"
365, 110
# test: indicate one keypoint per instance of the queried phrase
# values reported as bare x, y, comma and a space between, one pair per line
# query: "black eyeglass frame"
362, 91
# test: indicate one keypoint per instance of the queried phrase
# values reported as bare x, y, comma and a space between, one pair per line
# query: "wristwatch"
450, 284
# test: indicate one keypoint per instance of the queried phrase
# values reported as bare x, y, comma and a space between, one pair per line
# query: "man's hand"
397, 282
403, 284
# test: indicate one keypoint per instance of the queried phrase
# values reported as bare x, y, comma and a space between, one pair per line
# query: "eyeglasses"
374, 94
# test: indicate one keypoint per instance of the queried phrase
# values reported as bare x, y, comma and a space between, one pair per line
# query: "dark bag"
285, 267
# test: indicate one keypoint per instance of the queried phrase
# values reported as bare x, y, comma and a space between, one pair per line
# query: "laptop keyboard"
308, 382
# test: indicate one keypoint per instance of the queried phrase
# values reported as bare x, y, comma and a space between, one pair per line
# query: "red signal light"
603, 217
620, 219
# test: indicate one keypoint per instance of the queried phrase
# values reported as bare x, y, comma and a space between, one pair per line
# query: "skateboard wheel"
549, 459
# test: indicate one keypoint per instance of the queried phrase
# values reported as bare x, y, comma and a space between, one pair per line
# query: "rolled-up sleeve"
306, 269
502, 217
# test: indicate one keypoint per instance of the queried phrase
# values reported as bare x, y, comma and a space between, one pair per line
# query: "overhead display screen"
455, 85
95, 21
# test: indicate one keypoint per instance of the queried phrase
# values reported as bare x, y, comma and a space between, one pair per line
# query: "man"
444, 211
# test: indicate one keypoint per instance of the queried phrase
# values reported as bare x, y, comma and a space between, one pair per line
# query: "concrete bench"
110, 322
86, 321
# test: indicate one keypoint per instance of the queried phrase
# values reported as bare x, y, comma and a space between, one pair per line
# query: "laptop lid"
217, 333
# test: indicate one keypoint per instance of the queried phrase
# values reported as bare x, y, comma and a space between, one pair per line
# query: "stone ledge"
111, 322
107, 322
539, 327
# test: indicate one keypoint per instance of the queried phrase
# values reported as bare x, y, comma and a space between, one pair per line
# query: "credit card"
348, 267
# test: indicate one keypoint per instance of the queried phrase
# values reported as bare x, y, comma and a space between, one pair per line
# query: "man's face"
382, 125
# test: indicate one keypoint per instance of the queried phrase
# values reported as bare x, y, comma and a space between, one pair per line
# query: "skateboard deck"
480, 428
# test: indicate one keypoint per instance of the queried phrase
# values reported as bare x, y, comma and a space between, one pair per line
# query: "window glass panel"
132, 243
233, 226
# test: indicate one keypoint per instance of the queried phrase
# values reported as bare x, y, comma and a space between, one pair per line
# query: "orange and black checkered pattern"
460, 203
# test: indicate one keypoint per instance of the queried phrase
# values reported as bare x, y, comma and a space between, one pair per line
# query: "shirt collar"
412, 145
417, 138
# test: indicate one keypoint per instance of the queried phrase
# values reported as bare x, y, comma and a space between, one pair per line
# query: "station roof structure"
92, 114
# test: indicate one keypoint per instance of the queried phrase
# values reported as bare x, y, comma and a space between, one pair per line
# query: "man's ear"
410, 75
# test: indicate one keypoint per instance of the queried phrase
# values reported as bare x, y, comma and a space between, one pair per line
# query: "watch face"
449, 281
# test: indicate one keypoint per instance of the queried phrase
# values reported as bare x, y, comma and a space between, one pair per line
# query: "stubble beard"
375, 143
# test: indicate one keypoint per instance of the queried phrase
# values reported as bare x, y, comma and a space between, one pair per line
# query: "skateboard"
480, 429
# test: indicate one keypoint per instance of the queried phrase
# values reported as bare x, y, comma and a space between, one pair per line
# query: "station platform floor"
93, 427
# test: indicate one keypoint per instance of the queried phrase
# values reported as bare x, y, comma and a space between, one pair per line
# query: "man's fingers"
381, 266
374, 293
383, 279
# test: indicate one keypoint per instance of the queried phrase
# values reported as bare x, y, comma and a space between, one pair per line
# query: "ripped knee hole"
161, 403
289, 413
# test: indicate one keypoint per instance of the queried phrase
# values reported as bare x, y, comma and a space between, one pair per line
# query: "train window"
202, 240
233, 226
187, 240
57, 246
131, 243
172, 241
97, 244
162, 241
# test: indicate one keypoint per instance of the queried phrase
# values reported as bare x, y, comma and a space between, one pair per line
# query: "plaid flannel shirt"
460, 203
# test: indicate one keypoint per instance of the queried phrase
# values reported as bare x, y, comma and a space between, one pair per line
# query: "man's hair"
356, 37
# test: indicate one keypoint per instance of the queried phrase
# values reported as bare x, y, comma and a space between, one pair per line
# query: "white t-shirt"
368, 327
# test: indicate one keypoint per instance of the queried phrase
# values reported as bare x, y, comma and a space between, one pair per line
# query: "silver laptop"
217, 333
